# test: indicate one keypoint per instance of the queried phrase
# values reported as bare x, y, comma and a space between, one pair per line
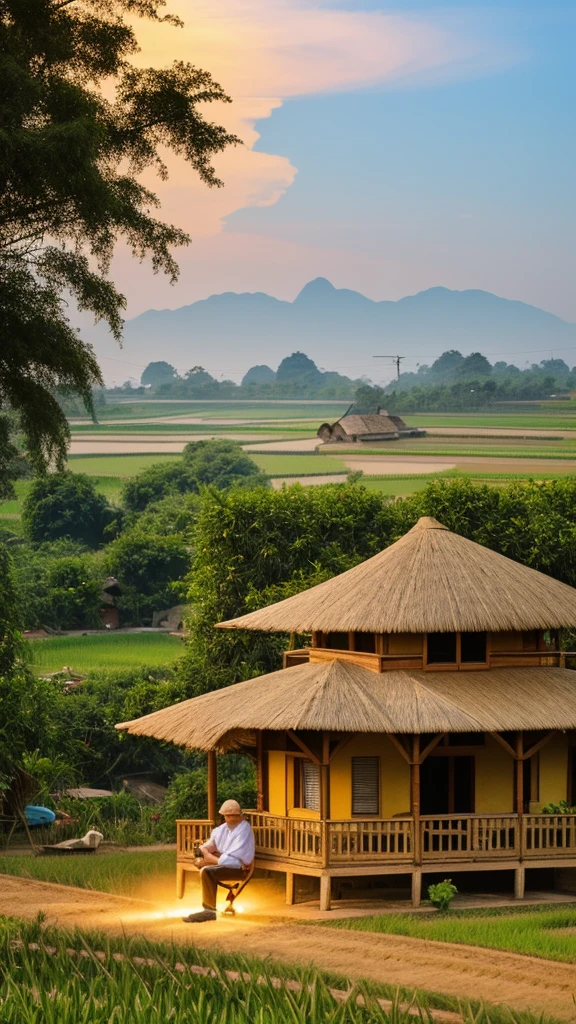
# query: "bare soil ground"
525, 983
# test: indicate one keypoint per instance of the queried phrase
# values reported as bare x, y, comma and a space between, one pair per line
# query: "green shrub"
562, 807
442, 894
66, 505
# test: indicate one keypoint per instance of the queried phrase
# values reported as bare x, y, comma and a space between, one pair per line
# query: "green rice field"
548, 932
547, 418
51, 976
103, 651
218, 410
286, 430
120, 873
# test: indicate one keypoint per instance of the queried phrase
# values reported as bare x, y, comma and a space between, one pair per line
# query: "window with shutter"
310, 785
365, 785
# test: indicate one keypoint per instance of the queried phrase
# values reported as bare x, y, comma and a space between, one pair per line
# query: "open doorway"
447, 785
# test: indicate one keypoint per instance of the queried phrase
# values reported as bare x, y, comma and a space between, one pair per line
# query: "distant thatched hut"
422, 729
374, 426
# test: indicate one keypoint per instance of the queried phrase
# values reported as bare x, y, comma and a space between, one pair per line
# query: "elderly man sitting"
226, 856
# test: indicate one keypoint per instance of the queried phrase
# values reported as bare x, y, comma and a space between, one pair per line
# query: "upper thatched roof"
339, 696
431, 580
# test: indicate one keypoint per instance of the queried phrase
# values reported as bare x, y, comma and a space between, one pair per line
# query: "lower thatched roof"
338, 696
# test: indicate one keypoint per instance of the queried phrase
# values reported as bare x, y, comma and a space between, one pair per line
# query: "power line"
395, 359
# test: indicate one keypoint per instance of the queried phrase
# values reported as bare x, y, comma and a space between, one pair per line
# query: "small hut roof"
369, 423
339, 696
431, 580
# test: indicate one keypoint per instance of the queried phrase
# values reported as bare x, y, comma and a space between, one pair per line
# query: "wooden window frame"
378, 813
453, 666
298, 793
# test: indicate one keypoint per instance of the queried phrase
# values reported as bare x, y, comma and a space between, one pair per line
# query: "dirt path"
525, 983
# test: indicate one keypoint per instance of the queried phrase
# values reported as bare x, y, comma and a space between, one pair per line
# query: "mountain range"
338, 327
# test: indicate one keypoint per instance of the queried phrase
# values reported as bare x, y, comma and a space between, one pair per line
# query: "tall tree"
70, 160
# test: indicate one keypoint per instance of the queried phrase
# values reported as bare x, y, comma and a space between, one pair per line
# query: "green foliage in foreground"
62, 980
543, 932
104, 651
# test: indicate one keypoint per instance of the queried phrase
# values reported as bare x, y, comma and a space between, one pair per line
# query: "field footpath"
467, 972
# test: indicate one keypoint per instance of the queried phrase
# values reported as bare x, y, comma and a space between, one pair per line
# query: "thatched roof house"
376, 426
388, 743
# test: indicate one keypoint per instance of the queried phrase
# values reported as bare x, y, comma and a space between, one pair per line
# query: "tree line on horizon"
453, 382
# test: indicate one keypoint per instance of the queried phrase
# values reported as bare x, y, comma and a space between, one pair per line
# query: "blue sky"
470, 180
388, 149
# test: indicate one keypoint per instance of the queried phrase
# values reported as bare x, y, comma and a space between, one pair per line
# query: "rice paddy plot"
298, 465
103, 651
546, 419
125, 466
124, 874
161, 428
544, 932
51, 976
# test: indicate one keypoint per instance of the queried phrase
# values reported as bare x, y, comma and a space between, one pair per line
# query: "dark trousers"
210, 876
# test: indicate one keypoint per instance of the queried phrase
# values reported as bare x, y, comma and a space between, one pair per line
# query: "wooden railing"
384, 662
463, 838
368, 840
190, 834
544, 834
470, 837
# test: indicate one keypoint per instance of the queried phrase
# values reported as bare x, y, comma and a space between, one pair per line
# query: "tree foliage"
150, 569
220, 463
255, 548
70, 161
158, 373
66, 505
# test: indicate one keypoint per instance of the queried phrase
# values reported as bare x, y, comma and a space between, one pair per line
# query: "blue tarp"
39, 815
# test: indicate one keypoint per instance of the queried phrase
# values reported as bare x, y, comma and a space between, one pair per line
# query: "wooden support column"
415, 797
325, 799
290, 879
259, 772
416, 887
212, 786
519, 883
325, 892
519, 787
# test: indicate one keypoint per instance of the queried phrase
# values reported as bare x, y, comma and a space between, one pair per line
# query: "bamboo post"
212, 786
519, 772
325, 798
259, 772
415, 797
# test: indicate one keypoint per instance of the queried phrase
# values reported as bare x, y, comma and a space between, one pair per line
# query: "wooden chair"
235, 888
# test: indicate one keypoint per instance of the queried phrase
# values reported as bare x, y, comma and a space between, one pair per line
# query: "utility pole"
395, 359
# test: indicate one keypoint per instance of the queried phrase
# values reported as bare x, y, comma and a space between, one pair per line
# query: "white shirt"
235, 845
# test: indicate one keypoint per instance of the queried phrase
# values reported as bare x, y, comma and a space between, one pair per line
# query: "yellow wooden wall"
554, 770
494, 775
494, 779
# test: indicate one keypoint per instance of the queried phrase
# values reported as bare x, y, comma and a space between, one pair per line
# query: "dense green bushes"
255, 548
66, 505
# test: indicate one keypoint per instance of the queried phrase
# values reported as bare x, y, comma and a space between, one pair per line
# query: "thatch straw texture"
431, 580
339, 696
